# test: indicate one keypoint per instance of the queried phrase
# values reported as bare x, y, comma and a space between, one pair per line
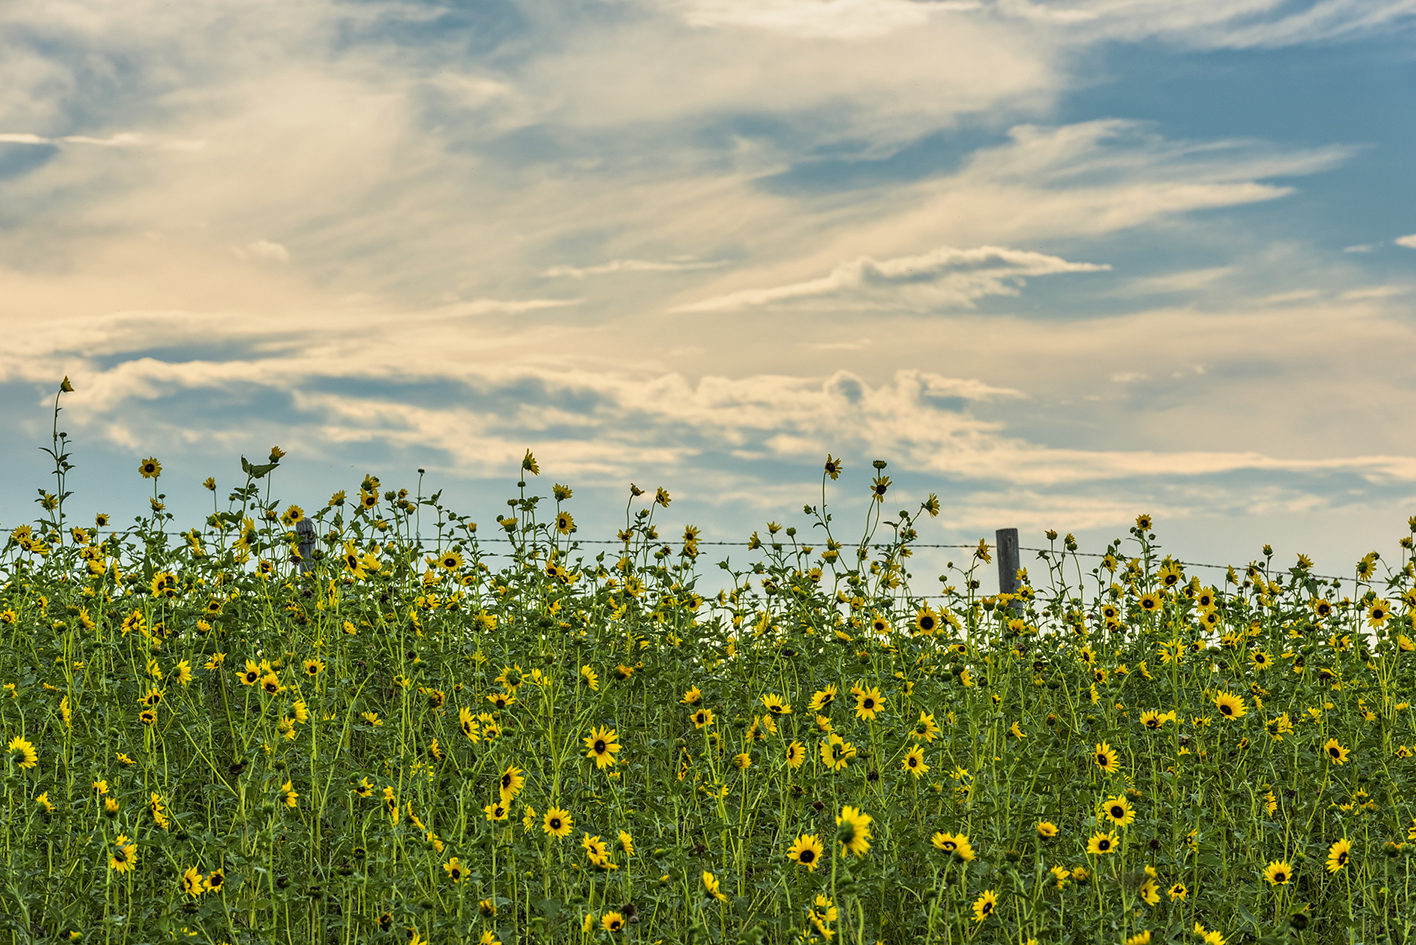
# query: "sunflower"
313, 667
1278, 873
955, 844
500, 700
807, 850
853, 830
612, 922
289, 796
984, 905
710, 886
868, 703
1335, 751
512, 781
1208, 936
833, 467
124, 856
1116, 810
454, 870
150, 468
496, 812
1150, 892
1150, 601
924, 730
602, 746
1102, 843
796, 754
565, 523
469, 724
742, 761
702, 718
880, 624
692, 697
251, 674
775, 705
488, 937
1046, 829
1177, 892
926, 621
914, 762
836, 752
1230, 705
193, 884
1338, 855
626, 843
558, 822
22, 751
1105, 757
822, 698
1378, 613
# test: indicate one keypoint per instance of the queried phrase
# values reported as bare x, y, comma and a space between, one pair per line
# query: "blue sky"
1060, 263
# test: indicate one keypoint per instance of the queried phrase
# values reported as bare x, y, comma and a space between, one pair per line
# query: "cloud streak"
942, 277
628, 265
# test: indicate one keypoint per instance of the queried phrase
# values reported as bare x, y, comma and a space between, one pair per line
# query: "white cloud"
941, 277
1407, 241
1235, 24
834, 19
264, 251
119, 140
627, 265
490, 306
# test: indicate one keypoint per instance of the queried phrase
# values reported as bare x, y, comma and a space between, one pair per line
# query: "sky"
1059, 263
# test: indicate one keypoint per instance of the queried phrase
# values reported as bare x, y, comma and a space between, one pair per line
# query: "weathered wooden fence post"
306, 533
1007, 543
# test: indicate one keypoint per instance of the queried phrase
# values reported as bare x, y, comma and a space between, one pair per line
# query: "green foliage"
332, 739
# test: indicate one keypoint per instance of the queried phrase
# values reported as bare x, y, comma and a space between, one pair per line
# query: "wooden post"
1007, 545
306, 532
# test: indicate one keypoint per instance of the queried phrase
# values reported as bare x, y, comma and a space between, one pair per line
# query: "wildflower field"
410, 728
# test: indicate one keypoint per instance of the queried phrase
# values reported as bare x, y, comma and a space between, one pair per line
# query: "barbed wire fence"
1005, 548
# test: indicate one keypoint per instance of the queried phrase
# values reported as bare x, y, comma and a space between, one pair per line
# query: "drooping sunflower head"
853, 830
23, 752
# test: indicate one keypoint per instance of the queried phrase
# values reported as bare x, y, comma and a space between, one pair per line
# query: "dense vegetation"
404, 729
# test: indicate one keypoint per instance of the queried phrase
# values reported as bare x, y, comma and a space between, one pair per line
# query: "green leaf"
256, 472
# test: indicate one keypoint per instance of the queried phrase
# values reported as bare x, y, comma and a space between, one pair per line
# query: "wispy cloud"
117, 140
941, 277
263, 250
629, 265
1408, 241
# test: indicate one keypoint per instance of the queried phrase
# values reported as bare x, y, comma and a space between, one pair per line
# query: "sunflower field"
373, 722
